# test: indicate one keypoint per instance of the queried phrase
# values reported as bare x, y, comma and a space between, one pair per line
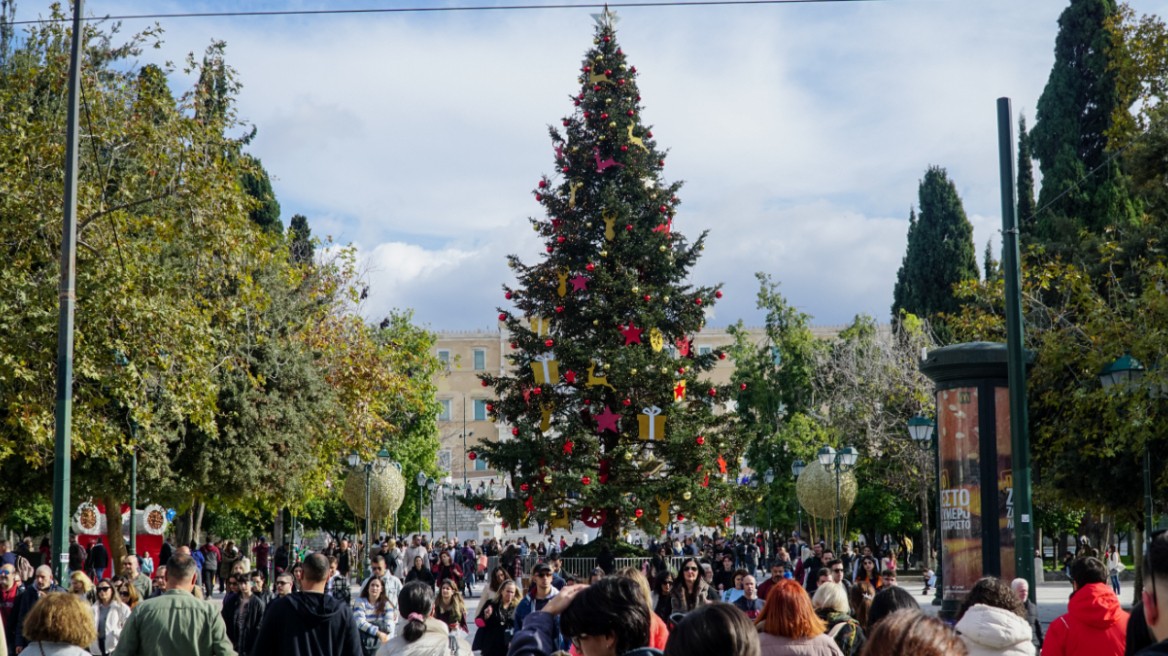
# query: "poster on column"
961, 532
1005, 482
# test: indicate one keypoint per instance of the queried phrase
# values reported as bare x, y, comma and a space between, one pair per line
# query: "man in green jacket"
175, 623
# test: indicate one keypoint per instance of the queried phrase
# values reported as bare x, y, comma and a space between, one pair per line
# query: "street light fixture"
797, 468
840, 462
421, 481
922, 430
1124, 375
355, 462
431, 485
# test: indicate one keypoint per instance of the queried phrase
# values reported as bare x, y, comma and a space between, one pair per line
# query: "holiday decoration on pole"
610, 288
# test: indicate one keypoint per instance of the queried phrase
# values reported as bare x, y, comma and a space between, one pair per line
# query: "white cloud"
802, 132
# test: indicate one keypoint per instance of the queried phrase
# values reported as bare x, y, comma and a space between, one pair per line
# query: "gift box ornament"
541, 326
546, 369
652, 424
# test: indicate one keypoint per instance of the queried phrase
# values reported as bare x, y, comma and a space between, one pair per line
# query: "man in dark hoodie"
309, 622
1156, 593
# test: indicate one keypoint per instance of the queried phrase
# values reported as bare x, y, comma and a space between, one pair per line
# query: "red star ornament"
679, 391
632, 334
568, 448
607, 421
570, 376
721, 465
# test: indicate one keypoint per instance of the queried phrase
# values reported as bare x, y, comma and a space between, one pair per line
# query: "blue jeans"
1115, 583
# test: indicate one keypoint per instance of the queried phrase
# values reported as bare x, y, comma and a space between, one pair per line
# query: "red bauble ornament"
607, 39
539, 197
638, 512
590, 266
742, 386
559, 308
548, 343
559, 240
507, 296
472, 455
701, 440
608, 72
628, 402
647, 134
596, 88
503, 317
580, 97
523, 487
490, 407
484, 383
634, 70
680, 518
647, 297
504, 524
565, 124
721, 356
565, 169
587, 401
514, 345
585, 114
630, 112
661, 162
586, 480
717, 294
550, 249
577, 103
603, 116
535, 391
514, 431
663, 208
587, 68
713, 392
542, 184
697, 301
621, 81
624, 149
478, 506
681, 370
629, 227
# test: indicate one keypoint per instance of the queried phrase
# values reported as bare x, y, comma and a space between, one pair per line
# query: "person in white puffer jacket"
992, 621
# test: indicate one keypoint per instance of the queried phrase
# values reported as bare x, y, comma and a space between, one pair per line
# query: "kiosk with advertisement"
973, 424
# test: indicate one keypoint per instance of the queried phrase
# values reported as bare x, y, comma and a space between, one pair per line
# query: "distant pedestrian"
59, 625
496, 621
175, 624
309, 622
1022, 590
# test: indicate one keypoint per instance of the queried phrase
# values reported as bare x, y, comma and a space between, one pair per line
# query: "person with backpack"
337, 586
375, 616
831, 606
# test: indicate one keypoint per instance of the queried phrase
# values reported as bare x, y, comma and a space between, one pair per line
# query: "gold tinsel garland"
387, 488
817, 494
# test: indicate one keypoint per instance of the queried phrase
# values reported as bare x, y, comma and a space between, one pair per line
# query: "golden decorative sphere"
628, 456
686, 495
636, 289
596, 322
612, 124
661, 248
580, 80
653, 196
535, 227
607, 100
386, 490
606, 366
816, 491
595, 42
633, 372
588, 224
666, 299
547, 479
603, 253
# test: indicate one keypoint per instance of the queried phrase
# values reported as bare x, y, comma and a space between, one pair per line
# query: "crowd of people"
706, 600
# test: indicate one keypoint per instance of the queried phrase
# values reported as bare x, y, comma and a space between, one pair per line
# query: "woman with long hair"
109, 616
375, 615
496, 621
663, 595
693, 591
450, 607
788, 625
419, 572
421, 634
888, 601
127, 593
447, 570
498, 577
82, 587
992, 620
870, 573
658, 628
860, 600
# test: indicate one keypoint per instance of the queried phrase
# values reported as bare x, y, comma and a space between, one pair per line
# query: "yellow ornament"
562, 290
594, 380
612, 124
628, 456
535, 227
633, 372
609, 219
572, 187
602, 254
686, 495
547, 480
656, 339
636, 141
661, 248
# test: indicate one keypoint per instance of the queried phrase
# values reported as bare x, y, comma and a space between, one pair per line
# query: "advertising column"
960, 522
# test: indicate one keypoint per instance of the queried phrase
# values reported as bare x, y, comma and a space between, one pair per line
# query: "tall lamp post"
768, 478
355, 462
840, 462
421, 481
797, 468
431, 485
1123, 375
921, 429
446, 487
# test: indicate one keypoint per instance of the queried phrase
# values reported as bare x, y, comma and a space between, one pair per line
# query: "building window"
480, 410
480, 464
444, 358
480, 360
444, 413
704, 350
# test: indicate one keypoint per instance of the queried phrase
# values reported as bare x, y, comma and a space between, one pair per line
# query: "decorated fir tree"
611, 423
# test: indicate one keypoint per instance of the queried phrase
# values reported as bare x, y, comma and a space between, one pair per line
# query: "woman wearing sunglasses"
663, 595
110, 614
692, 591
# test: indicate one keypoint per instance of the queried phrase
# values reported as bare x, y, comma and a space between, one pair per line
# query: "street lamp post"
421, 481
769, 478
431, 485
446, 507
797, 468
840, 462
1126, 372
355, 462
921, 429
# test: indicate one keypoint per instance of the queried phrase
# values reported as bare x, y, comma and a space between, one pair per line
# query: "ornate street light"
797, 468
1123, 375
431, 485
922, 431
421, 481
840, 462
355, 462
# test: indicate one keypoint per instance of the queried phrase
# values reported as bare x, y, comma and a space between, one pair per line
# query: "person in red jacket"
1094, 625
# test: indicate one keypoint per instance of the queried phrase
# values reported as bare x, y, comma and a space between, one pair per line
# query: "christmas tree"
611, 424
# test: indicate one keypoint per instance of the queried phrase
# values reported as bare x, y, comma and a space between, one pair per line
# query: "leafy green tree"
31, 514
1069, 138
1026, 206
612, 290
302, 247
266, 212
939, 255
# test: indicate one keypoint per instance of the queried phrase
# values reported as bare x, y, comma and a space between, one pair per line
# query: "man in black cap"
542, 591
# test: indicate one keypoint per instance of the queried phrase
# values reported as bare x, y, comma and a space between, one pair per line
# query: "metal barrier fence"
582, 568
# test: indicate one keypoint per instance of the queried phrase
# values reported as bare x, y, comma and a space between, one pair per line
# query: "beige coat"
435, 642
820, 645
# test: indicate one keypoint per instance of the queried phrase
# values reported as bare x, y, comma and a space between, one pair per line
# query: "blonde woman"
58, 625
109, 616
81, 587
831, 606
496, 621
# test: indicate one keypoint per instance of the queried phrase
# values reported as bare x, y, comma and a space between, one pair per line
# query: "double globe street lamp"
797, 468
383, 459
840, 462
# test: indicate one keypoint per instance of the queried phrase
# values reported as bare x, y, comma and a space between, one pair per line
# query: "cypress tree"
1069, 139
259, 186
939, 255
992, 268
302, 248
1026, 204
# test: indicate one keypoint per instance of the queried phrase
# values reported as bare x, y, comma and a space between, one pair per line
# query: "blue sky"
801, 132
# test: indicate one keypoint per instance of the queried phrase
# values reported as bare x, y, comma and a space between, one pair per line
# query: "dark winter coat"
308, 624
494, 635
253, 615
